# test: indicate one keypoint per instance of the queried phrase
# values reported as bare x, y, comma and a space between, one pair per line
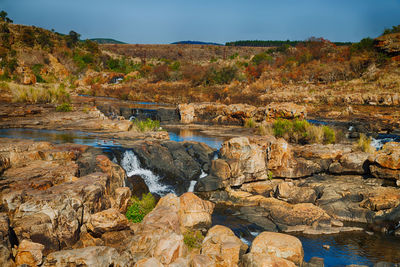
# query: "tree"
4, 18
72, 38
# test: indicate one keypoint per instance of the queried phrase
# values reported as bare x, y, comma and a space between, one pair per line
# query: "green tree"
72, 38
4, 17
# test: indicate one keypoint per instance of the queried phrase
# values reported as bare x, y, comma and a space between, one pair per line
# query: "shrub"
36, 71
193, 239
249, 123
300, 131
64, 107
364, 144
139, 208
329, 135
146, 125
28, 37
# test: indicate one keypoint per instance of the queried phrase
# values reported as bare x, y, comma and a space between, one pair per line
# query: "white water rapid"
131, 165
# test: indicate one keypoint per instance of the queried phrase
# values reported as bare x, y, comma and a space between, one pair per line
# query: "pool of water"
345, 249
180, 135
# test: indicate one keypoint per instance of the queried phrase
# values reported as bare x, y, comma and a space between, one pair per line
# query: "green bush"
64, 107
300, 131
36, 71
139, 208
26, 94
260, 58
193, 239
147, 125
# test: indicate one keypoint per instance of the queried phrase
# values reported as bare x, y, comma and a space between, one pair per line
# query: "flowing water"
345, 249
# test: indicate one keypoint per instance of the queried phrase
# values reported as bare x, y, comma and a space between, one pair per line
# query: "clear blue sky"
166, 21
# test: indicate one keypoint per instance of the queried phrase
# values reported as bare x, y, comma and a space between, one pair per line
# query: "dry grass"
364, 144
30, 94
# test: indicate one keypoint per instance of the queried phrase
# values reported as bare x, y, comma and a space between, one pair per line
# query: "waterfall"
131, 165
191, 186
203, 174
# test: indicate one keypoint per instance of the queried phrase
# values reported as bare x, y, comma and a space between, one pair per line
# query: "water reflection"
180, 135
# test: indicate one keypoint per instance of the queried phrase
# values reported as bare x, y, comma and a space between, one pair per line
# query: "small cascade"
131, 165
191, 186
203, 174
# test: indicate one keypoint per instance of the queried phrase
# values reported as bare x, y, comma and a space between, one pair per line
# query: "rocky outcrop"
47, 200
390, 43
238, 113
279, 245
160, 235
385, 163
91, 256
249, 159
177, 163
29, 253
222, 246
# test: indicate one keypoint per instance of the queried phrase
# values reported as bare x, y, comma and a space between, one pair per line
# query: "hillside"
106, 41
196, 42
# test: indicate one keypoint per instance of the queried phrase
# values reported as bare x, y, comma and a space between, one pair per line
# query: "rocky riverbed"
64, 204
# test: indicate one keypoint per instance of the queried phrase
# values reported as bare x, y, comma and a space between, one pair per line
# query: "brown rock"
201, 261
106, 221
389, 156
279, 245
148, 262
29, 253
121, 199
350, 163
194, 212
187, 113
265, 260
293, 194
220, 168
222, 246
91, 256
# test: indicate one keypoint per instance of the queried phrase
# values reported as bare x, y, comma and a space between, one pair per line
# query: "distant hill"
106, 41
272, 43
196, 43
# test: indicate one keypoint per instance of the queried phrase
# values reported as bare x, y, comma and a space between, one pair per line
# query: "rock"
265, 188
201, 261
121, 199
386, 162
159, 235
106, 221
264, 260
220, 169
137, 186
351, 163
117, 239
293, 194
194, 212
390, 43
246, 160
279, 245
315, 262
186, 112
148, 262
29, 78
286, 111
209, 183
29, 253
91, 256
222, 246
86, 240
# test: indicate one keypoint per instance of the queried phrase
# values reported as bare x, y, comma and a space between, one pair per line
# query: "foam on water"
131, 165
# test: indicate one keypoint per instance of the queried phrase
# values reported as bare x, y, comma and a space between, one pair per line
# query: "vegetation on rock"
146, 125
139, 208
193, 239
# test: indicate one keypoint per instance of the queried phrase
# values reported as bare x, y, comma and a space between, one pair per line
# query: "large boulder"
351, 163
279, 245
106, 221
160, 234
90, 256
386, 162
247, 161
29, 253
222, 246
194, 212
264, 260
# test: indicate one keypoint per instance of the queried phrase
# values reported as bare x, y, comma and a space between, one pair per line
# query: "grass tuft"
140, 207
193, 239
364, 144
147, 125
